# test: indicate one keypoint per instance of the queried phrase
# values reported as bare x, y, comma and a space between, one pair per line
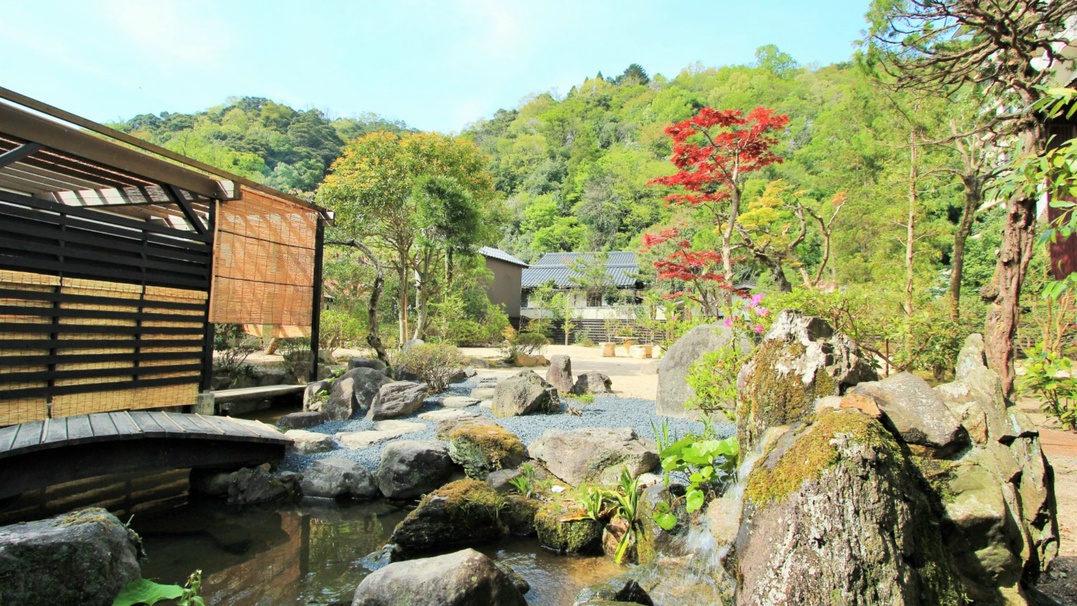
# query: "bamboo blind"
263, 265
103, 393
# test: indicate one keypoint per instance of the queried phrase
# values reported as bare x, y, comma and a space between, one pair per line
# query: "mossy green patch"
562, 527
813, 453
770, 397
483, 448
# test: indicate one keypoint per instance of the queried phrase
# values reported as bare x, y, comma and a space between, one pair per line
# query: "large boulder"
353, 392
338, 478
524, 393
559, 374
999, 495
836, 514
594, 454
918, 414
78, 559
481, 448
459, 514
412, 468
799, 360
463, 578
397, 399
593, 382
372, 363
674, 367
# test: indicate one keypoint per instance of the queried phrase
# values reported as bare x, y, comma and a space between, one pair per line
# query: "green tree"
397, 192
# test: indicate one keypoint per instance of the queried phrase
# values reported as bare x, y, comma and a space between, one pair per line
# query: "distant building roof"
621, 267
500, 255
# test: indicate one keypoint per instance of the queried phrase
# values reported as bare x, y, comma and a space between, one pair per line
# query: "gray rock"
463, 578
382, 432
650, 368
309, 442
918, 414
411, 468
674, 367
593, 382
447, 425
460, 514
412, 343
854, 530
253, 485
372, 363
353, 392
458, 402
300, 420
310, 396
338, 478
799, 360
81, 558
524, 393
559, 374
594, 454
397, 399
483, 393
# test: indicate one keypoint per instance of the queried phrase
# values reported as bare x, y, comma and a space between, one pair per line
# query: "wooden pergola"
118, 256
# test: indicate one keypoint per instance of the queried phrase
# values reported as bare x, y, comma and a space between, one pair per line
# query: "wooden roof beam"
54, 135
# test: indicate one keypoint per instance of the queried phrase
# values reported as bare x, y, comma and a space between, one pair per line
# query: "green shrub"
522, 343
1048, 376
433, 363
714, 379
341, 329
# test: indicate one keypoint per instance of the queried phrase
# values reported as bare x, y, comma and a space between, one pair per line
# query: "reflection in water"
315, 554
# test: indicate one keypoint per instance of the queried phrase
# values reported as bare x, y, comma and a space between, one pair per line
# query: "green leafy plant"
1048, 376
593, 500
586, 398
714, 379
708, 465
526, 483
627, 506
433, 363
144, 591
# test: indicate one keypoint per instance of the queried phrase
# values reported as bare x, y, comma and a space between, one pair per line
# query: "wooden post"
316, 306
209, 330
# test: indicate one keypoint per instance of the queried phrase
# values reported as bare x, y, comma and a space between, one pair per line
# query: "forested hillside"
867, 196
259, 139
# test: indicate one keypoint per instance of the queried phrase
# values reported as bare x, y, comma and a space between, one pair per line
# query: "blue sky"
438, 64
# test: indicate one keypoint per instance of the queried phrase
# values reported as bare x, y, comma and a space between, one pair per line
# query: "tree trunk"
402, 313
373, 338
1018, 238
973, 200
910, 231
1015, 252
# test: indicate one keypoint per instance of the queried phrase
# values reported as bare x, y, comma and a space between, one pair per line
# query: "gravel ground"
636, 413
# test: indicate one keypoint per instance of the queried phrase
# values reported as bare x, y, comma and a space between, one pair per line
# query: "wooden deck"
42, 453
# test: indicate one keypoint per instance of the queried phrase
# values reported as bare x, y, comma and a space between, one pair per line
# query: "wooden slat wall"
97, 312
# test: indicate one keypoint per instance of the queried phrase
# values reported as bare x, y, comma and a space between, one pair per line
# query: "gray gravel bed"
605, 411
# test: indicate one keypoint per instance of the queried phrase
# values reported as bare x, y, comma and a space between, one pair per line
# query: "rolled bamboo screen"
263, 266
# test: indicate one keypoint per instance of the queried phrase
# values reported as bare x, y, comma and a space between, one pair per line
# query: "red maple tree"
697, 270
713, 151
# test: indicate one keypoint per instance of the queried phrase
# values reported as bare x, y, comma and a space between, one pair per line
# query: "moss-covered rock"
518, 515
802, 358
484, 448
837, 514
459, 514
564, 529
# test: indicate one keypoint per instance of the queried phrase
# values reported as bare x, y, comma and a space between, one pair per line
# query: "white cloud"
180, 32
503, 31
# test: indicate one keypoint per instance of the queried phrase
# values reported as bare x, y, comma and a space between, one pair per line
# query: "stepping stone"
487, 404
383, 431
447, 413
483, 393
310, 442
458, 402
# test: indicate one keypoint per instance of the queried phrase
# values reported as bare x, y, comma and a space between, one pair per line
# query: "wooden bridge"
42, 453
